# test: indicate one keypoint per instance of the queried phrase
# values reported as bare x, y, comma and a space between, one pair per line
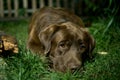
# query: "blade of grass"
108, 26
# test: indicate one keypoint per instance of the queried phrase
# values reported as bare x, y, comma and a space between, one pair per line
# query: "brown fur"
61, 36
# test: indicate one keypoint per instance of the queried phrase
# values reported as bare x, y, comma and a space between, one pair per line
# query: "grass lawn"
27, 66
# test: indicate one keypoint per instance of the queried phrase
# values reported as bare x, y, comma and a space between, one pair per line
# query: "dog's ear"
90, 42
91, 46
45, 36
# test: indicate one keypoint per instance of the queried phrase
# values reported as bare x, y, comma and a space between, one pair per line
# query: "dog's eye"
82, 45
62, 44
65, 44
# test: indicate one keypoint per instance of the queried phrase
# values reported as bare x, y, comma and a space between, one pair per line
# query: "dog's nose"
75, 67
74, 64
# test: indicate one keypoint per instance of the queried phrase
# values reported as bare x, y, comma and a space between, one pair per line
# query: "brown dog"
61, 36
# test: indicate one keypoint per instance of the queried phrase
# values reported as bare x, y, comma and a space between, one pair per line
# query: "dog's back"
47, 16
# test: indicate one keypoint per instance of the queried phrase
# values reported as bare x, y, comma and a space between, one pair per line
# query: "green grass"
27, 66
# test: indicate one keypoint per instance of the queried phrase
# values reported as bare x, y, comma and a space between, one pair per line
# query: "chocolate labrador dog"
61, 36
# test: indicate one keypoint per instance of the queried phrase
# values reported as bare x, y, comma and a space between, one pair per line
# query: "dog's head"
65, 45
